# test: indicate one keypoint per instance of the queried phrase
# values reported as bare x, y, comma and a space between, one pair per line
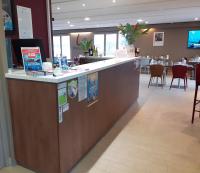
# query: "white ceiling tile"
105, 13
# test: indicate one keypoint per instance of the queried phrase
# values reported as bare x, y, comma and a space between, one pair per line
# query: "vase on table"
130, 50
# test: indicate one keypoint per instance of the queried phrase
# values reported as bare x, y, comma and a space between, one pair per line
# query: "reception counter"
45, 144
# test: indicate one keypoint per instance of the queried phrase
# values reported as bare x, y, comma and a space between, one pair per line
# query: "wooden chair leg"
171, 83
149, 81
194, 104
184, 84
157, 81
199, 114
163, 79
152, 80
179, 83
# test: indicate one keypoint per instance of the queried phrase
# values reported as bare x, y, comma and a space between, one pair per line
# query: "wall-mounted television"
194, 39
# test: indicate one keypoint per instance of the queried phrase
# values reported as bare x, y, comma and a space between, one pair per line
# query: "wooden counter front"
45, 146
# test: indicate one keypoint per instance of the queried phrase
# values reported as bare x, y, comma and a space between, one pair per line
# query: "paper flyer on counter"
62, 96
92, 87
72, 88
82, 88
31, 58
60, 114
63, 104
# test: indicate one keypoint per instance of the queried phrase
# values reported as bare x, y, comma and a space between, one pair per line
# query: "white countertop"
97, 57
70, 74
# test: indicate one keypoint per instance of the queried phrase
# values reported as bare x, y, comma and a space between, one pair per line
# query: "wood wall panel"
35, 128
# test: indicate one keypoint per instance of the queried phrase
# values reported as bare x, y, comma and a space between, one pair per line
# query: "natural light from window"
56, 46
99, 43
66, 46
121, 41
61, 45
111, 44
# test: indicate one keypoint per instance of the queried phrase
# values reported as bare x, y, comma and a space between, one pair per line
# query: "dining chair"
156, 71
179, 72
196, 101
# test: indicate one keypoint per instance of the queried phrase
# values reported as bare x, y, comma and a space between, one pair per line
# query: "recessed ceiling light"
58, 8
140, 20
87, 19
83, 5
71, 25
196, 18
68, 22
146, 22
114, 1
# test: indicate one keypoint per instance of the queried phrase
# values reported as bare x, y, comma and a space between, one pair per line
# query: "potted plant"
85, 45
131, 33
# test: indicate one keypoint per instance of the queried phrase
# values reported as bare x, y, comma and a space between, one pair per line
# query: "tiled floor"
154, 136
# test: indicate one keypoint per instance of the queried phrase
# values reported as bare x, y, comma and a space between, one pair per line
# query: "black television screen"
194, 39
18, 43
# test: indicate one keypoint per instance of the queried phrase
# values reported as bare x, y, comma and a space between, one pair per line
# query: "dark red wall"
39, 19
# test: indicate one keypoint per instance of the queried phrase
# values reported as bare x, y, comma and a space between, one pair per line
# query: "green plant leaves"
131, 33
85, 45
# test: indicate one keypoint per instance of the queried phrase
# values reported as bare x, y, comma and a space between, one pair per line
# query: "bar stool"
196, 101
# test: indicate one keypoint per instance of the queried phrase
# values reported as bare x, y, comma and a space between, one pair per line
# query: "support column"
6, 144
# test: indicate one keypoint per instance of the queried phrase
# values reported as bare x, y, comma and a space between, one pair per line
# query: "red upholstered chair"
197, 74
179, 72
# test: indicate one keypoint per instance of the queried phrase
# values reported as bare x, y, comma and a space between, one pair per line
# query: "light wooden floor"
154, 136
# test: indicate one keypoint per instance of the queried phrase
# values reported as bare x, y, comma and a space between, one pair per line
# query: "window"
56, 46
61, 45
121, 41
106, 43
99, 43
111, 44
66, 46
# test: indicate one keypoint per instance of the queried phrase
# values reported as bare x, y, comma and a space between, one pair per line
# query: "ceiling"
70, 14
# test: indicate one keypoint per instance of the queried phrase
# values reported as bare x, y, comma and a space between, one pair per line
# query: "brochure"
31, 58
92, 87
72, 88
